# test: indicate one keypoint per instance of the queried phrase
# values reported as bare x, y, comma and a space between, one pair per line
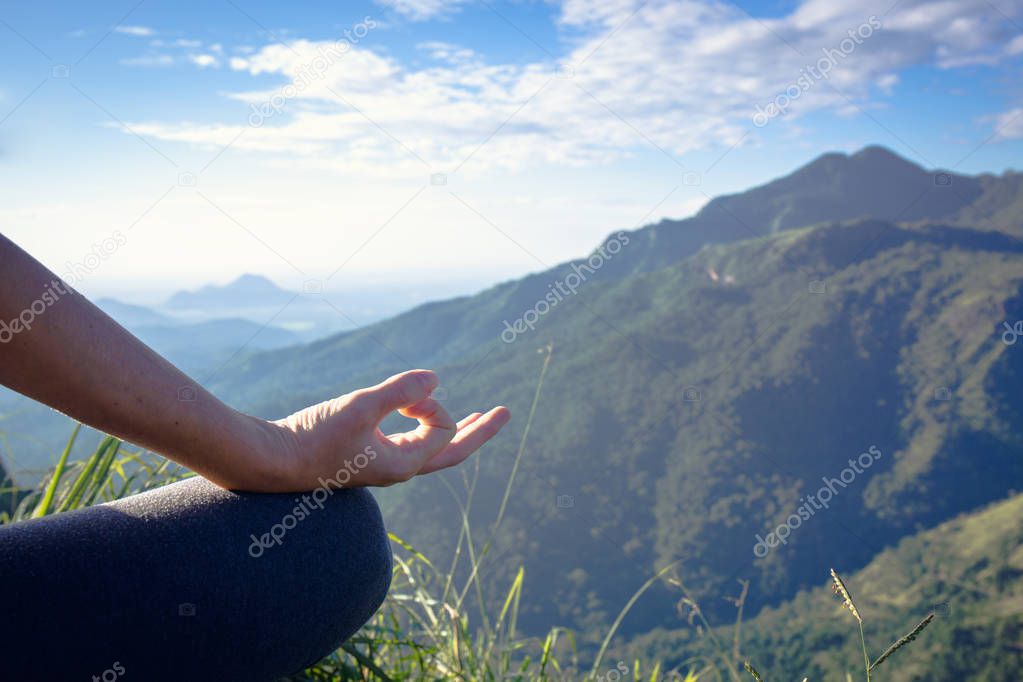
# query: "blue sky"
553, 124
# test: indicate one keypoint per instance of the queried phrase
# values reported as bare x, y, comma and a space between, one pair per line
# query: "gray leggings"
189, 582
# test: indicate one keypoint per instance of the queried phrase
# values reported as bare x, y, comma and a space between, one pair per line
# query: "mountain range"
839, 328
710, 376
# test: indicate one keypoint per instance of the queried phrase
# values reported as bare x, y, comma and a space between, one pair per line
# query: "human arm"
68, 354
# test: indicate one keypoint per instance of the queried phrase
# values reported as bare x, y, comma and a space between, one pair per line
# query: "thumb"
401, 390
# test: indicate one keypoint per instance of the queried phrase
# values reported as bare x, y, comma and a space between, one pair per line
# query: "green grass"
434, 623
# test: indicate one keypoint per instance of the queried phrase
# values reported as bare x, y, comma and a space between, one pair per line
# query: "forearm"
68, 354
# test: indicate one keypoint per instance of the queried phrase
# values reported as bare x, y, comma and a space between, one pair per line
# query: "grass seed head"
840, 589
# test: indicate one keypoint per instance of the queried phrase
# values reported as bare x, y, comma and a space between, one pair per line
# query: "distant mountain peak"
872, 182
878, 150
252, 281
247, 289
882, 155
871, 161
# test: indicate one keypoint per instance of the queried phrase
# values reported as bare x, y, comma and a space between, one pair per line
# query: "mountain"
197, 344
128, 315
999, 205
686, 418
967, 571
195, 347
873, 182
707, 377
311, 314
246, 291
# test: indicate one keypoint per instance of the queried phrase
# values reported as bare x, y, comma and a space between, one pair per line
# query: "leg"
190, 582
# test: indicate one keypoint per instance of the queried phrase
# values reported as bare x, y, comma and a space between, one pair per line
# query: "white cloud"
887, 82
678, 75
1009, 126
420, 10
204, 60
447, 52
149, 60
138, 31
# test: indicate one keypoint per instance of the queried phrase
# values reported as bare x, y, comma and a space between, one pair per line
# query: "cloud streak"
421, 10
137, 31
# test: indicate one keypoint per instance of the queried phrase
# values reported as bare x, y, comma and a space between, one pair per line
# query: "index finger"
468, 440
436, 429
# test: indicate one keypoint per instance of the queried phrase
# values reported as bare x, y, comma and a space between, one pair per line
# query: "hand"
338, 439
340, 442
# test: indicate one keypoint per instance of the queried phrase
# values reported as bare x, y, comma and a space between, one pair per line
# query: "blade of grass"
525, 435
621, 616
74, 496
43, 508
102, 474
354, 652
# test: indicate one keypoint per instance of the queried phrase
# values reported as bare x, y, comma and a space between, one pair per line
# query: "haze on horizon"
451, 145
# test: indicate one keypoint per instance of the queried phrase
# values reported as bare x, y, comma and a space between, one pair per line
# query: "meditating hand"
339, 442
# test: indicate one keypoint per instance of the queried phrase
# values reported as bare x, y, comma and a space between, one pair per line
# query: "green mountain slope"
968, 571
786, 387
999, 206
700, 391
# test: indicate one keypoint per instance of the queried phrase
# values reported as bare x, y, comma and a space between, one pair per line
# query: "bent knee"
357, 512
321, 570
354, 566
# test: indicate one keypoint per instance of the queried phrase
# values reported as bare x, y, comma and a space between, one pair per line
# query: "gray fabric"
165, 585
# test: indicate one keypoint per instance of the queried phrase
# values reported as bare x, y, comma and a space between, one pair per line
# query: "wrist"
231, 449
256, 456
